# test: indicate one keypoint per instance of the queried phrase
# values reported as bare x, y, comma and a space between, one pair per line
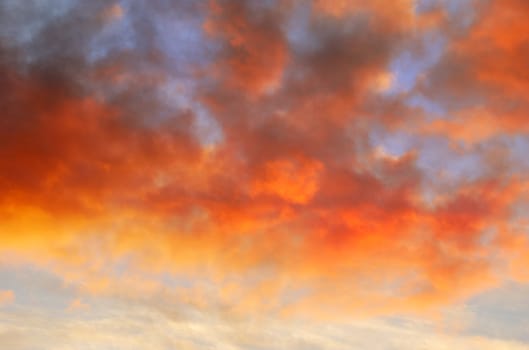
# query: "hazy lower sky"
264, 174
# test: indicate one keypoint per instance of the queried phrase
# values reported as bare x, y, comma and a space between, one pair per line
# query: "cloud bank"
267, 148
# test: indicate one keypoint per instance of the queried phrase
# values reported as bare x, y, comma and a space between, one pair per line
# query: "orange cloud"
78, 305
6, 297
113, 12
296, 187
400, 10
256, 53
480, 78
477, 125
290, 180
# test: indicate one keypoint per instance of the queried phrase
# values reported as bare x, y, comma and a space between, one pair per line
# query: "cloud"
113, 12
289, 180
479, 77
398, 11
6, 297
129, 325
108, 185
255, 52
78, 305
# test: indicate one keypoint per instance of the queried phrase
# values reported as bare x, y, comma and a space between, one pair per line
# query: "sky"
264, 174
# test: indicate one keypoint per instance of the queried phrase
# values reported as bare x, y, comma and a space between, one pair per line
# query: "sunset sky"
264, 174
